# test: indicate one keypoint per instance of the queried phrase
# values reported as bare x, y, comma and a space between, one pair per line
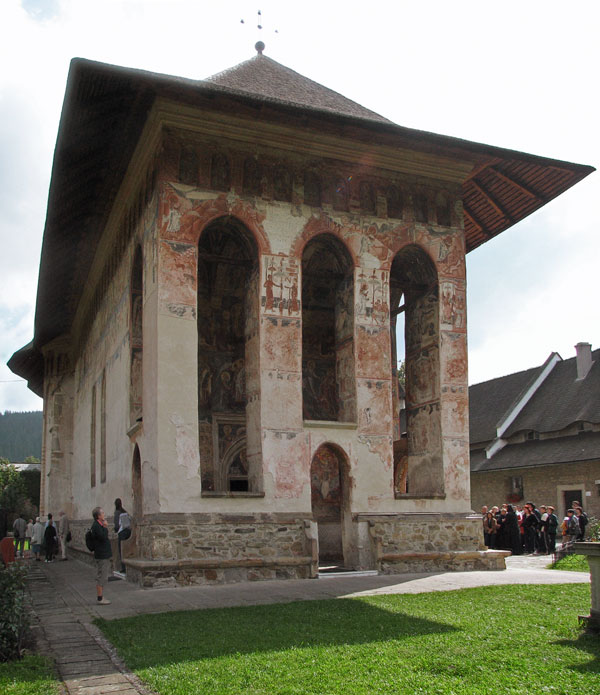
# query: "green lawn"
496, 640
32, 675
573, 563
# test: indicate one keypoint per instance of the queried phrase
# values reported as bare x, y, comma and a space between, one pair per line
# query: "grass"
573, 563
32, 675
476, 641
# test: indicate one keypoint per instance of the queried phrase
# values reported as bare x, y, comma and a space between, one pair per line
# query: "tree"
401, 375
32, 482
13, 493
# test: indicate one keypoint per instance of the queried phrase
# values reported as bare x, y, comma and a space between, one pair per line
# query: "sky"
518, 74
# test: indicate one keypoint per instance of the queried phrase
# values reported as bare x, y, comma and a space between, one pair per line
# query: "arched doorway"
228, 353
138, 501
329, 488
418, 465
328, 374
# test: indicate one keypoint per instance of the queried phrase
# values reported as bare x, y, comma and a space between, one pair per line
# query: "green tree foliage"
13, 491
402, 375
20, 435
13, 496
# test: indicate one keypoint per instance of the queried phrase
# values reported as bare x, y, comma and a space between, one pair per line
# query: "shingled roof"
543, 452
491, 400
558, 401
262, 76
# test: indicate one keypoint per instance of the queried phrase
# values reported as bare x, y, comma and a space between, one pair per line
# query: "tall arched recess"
136, 337
137, 494
228, 357
328, 374
418, 460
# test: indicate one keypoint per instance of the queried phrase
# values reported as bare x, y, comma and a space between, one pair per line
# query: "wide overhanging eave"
103, 116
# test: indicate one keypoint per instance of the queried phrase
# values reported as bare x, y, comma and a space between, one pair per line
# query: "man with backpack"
97, 540
570, 528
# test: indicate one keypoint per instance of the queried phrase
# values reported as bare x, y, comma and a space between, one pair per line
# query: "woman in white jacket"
37, 538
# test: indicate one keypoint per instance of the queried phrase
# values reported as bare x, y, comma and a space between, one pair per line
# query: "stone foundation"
191, 549
430, 543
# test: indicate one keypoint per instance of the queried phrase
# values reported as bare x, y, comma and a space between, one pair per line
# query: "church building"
232, 270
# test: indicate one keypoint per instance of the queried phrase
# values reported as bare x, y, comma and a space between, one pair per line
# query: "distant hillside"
20, 435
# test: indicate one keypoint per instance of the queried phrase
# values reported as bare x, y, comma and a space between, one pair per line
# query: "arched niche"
328, 374
330, 487
415, 336
134, 547
228, 350
136, 304
136, 485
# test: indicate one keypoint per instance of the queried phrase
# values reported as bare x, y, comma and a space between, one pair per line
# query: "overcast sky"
518, 74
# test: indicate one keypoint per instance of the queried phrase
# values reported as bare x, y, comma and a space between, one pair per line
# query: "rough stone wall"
425, 543
541, 485
222, 536
427, 533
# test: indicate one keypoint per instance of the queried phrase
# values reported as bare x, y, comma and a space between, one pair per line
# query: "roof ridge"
536, 375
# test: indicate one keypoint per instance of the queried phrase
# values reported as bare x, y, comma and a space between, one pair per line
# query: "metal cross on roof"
260, 46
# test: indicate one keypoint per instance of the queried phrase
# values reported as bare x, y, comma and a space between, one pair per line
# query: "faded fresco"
280, 286
328, 389
325, 485
226, 265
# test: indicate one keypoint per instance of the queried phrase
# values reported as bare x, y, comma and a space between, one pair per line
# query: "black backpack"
90, 541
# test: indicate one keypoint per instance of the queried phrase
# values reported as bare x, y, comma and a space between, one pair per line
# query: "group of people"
529, 529
51, 538
48, 537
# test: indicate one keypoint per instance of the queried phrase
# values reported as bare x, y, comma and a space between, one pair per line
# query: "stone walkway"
64, 606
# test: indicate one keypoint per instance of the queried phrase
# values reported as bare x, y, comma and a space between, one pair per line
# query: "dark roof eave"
28, 363
380, 124
566, 462
126, 96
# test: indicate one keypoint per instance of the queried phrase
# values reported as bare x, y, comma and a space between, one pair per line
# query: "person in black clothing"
102, 553
583, 521
512, 532
542, 529
537, 547
122, 527
530, 525
551, 526
50, 539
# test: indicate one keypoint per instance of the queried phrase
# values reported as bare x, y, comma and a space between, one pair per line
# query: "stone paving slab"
64, 604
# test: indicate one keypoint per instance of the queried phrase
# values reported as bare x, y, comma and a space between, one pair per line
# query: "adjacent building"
535, 435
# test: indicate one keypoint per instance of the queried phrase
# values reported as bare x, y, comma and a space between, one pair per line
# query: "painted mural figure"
293, 305
269, 285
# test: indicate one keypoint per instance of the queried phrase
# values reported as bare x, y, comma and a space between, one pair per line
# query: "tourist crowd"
46, 537
531, 530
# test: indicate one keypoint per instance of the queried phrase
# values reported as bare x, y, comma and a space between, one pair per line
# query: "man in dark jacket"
551, 526
102, 553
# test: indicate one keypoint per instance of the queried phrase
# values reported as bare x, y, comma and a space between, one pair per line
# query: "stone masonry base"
187, 549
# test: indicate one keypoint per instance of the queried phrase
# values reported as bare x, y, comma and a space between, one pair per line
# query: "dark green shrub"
592, 532
14, 613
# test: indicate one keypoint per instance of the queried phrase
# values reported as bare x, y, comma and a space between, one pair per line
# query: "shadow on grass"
587, 643
206, 634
